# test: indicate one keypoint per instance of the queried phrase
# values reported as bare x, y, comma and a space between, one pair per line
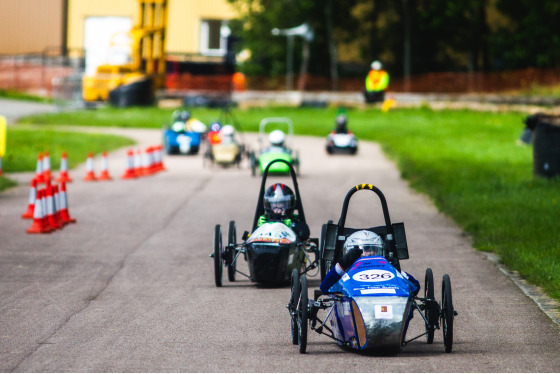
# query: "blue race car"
183, 134
369, 307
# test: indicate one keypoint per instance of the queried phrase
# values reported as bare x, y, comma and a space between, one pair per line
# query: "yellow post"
3, 132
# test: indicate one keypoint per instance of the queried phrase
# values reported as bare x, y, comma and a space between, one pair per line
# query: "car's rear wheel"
302, 309
431, 311
323, 263
293, 305
232, 240
218, 251
296, 163
253, 161
447, 313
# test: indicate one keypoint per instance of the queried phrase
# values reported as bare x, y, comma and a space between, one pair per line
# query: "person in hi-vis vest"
377, 81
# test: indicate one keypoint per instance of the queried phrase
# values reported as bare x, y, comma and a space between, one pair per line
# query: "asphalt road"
129, 287
13, 109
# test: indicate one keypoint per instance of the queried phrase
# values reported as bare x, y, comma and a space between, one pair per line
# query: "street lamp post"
306, 33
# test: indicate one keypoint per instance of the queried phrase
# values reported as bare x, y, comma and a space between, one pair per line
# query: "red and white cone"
43, 202
153, 157
51, 207
104, 175
38, 226
129, 173
57, 212
47, 166
63, 175
138, 163
64, 214
31, 202
39, 177
158, 156
90, 175
148, 162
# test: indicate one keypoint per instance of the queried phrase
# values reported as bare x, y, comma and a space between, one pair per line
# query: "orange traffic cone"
31, 201
90, 175
38, 226
63, 175
64, 214
51, 207
147, 165
104, 175
58, 214
138, 169
47, 166
39, 170
129, 172
152, 156
159, 158
43, 202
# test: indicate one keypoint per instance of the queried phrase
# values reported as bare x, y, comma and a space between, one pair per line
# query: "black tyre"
253, 164
447, 313
294, 297
232, 239
323, 263
296, 164
431, 311
167, 147
218, 251
302, 313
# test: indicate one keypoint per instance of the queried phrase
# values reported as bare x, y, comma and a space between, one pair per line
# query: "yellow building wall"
184, 22
30, 26
183, 19
80, 10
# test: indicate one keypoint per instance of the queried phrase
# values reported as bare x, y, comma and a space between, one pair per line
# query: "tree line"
407, 36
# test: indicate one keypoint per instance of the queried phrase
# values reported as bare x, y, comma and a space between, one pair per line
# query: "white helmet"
376, 65
369, 242
228, 130
276, 138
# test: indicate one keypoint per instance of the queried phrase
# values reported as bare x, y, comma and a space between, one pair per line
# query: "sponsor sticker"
346, 309
373, 275
374, 291
345, 277
383, 312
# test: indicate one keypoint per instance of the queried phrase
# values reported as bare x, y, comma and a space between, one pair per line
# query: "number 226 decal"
373, 276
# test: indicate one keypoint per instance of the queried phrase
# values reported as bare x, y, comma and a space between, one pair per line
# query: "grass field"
24, 143
467, 162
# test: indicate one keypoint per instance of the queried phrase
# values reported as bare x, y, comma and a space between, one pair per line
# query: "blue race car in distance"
183, 135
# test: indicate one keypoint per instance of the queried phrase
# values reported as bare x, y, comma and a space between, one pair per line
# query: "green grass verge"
24, 143
17, 95
467, 162
6, 183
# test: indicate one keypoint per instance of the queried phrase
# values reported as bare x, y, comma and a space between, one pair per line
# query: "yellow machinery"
134, 83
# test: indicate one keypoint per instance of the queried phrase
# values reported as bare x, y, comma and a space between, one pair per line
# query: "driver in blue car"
364, 243
341, 124
279, 205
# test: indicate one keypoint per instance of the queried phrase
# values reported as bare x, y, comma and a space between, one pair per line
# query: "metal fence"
52, 74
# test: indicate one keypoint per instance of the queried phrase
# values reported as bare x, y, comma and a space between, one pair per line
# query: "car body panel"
372, 313
273, 252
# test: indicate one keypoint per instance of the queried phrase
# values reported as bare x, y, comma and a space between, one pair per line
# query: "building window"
213, 37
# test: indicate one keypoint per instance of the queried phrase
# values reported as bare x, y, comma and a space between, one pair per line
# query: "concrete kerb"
549, 306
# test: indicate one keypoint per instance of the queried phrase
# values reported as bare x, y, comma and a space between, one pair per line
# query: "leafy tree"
268, 52
413, 36
531, 39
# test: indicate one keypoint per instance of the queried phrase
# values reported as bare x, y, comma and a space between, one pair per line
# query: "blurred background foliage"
408, 36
